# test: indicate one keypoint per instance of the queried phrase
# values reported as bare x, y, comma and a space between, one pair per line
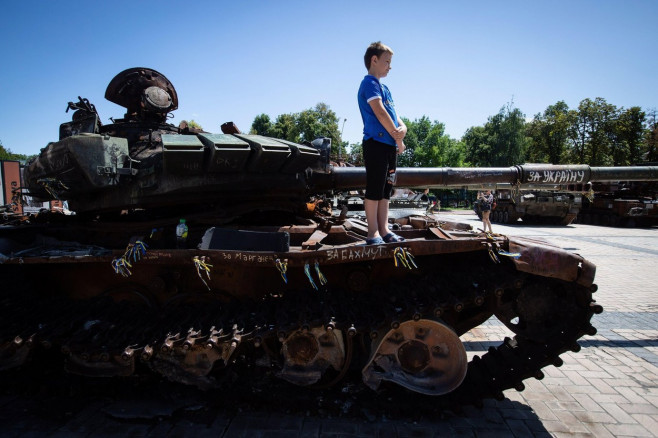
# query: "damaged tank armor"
271, 283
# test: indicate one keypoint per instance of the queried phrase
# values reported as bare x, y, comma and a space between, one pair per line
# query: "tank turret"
141, 162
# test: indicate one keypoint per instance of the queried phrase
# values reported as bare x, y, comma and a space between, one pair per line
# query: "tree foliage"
261, 125
627, 136
549, 134
355, 155
320, 121
591, 132
429, 146
286, 127
7, 154
596, 133
194, 125
500, 142
651, 138
307, 125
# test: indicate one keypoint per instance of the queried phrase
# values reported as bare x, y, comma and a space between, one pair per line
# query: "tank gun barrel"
627, 173
541, 174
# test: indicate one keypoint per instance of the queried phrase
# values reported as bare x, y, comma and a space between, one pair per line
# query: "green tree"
478, 151
355, 155
194, 125
4, 153
7, 154
590, 135
320, 121
627, 136
651, 137
507, 136
286, 127
429, 146
261, 125
538, 147
549, 134
343, 147
501, 142
417, 133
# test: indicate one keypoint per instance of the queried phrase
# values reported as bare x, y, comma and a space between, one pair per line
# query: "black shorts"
381, 162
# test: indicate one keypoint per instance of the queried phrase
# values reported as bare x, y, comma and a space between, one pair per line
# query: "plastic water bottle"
181, 234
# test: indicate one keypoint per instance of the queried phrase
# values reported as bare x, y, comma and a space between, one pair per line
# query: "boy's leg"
382, 217
382, 213
376, 164
372, 214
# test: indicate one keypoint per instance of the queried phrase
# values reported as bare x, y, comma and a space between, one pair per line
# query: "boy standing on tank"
383, 134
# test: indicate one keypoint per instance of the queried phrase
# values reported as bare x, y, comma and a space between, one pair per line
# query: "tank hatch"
144, 92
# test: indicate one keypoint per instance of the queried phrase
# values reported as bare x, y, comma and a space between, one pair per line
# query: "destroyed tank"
556, 204
268, 287
621, 204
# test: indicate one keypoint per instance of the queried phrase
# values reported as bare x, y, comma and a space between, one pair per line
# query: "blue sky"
455, 62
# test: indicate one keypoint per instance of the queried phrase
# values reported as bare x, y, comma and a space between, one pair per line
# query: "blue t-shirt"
371, 89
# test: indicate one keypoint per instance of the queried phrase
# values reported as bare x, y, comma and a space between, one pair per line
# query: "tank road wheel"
506, 217
101, 345
424, 356
309, 353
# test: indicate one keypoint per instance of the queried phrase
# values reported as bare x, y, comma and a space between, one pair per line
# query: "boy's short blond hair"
376, 48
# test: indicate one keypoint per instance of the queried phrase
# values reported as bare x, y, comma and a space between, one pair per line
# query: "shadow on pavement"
56, 404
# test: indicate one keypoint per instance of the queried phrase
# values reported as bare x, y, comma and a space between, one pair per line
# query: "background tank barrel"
628, 173
355, 177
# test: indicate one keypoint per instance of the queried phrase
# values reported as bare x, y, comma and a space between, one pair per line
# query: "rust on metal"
424, 356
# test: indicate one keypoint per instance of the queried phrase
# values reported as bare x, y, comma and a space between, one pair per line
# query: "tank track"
207, 340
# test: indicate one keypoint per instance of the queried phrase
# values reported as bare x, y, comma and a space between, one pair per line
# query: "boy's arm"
402, 126
402, 132
385, 119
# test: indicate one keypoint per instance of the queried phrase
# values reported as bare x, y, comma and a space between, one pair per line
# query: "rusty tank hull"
268, 283
389, 313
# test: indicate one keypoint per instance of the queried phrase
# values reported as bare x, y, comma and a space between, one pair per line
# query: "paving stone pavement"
608, 389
